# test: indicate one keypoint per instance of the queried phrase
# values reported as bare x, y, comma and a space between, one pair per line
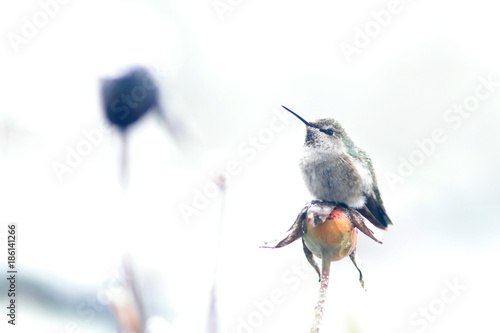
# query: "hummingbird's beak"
301, 119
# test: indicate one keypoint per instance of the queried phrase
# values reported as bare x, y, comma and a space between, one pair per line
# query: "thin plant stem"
131, 277
213, 315
325, 278
124, 160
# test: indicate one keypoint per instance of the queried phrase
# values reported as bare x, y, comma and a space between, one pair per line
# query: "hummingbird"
336, 170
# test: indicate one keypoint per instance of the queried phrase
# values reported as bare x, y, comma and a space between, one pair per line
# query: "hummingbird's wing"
374, 210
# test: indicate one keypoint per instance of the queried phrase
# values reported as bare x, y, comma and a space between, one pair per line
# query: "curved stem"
213, 315
124, 160
325, 278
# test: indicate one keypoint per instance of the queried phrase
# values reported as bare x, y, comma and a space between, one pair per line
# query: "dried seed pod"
329, 231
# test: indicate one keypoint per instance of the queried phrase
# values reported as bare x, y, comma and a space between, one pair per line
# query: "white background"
224, 76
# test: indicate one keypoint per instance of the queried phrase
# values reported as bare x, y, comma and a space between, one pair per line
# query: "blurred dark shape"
128, 98
60, 300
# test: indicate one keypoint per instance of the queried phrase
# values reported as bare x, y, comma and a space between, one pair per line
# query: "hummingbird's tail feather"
377, 210
368, 214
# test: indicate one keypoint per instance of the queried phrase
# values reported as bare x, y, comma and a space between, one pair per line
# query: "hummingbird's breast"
336, 177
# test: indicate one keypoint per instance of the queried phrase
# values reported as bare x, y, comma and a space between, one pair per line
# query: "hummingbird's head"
325, 134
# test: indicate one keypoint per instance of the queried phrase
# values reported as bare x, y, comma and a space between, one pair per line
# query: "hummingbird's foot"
357, 262
310, 259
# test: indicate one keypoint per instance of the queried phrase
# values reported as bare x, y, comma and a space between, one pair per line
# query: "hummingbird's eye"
328, 131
